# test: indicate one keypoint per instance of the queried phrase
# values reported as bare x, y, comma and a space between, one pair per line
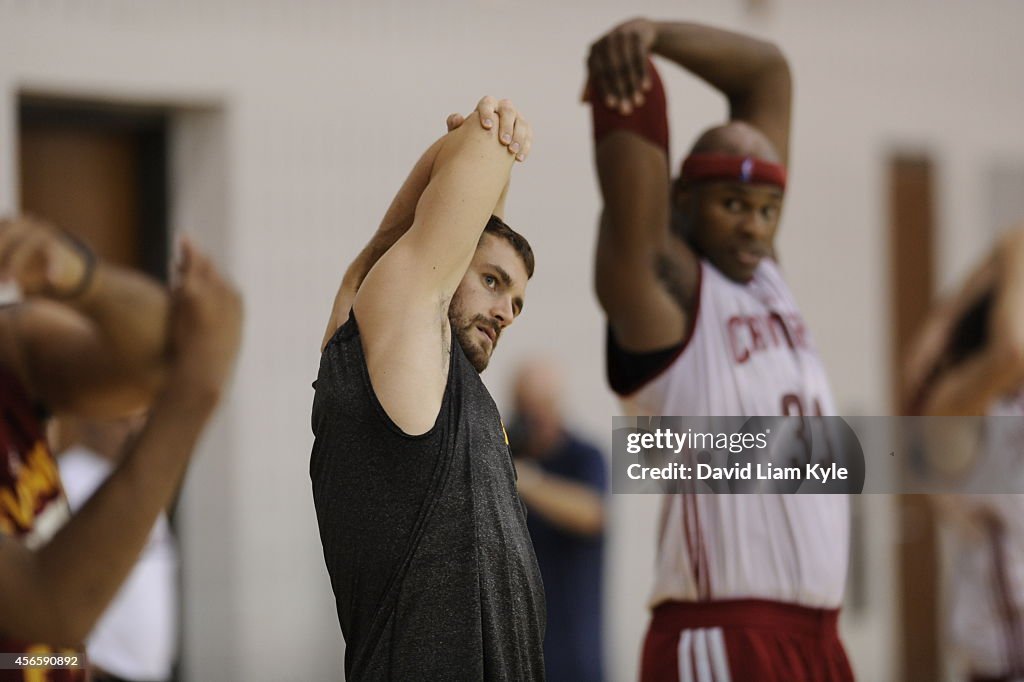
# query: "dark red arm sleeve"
649, 121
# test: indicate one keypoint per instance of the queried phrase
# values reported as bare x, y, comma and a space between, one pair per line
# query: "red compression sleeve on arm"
649, 120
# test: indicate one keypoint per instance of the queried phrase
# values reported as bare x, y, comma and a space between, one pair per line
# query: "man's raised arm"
970, 387
55, 593
400, 214
90, 338
402, 304
752, 74
396, 222
636, 265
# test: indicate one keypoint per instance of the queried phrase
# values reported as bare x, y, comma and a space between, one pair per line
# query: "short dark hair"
498, 228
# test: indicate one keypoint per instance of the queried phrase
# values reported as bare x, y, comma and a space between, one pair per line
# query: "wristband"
649, 120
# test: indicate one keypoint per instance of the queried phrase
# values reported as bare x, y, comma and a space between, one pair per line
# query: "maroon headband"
707, 167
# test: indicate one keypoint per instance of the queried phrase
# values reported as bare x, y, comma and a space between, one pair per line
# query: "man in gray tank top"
424, 535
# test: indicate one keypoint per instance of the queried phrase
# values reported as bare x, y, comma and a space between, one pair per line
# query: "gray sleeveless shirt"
425, 537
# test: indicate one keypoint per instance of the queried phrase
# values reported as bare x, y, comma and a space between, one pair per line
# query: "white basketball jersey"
987, 579
750, 354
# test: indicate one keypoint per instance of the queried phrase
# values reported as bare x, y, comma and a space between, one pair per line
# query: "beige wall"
297, 120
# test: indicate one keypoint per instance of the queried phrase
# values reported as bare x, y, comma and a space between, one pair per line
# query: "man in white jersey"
701, 323
969, 360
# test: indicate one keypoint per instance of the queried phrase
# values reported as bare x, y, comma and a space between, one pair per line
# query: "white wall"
299, 119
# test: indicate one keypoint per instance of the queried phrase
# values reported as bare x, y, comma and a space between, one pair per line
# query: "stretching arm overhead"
90, 337
647, 278
396, 222
971, 386
929, 350
753, 74
644, 279
402, 304
634, 270
400, 214
56, 592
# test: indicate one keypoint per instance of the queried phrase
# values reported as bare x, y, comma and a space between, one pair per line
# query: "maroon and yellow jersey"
32, 508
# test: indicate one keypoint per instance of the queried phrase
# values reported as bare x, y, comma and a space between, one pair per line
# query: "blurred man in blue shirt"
562, 480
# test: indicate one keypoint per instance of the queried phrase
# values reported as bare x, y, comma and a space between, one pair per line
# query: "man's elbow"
774, 60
